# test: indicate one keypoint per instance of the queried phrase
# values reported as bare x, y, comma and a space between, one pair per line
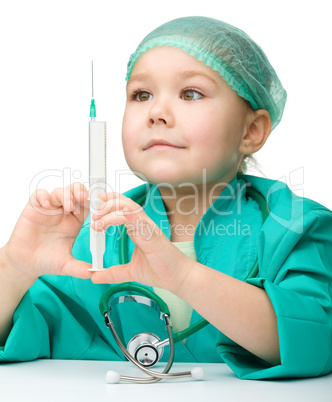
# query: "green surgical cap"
228, 50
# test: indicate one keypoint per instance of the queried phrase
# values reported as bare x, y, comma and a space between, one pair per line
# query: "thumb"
114, 274
76, 268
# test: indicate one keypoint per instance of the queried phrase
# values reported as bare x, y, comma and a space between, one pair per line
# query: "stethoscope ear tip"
197, 373
112, 377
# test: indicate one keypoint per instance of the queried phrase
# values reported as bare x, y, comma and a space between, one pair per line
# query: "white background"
45, 87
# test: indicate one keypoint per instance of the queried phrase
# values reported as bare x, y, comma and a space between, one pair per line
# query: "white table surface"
72, 380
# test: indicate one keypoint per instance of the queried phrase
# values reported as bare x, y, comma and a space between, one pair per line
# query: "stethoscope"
145, 349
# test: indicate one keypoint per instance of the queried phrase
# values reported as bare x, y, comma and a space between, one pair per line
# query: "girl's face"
181, 120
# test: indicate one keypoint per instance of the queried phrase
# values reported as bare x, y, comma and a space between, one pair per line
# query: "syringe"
97, 179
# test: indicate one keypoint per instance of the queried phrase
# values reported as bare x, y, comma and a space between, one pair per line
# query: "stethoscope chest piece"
143, 347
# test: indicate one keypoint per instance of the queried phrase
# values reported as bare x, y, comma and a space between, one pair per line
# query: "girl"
201, 99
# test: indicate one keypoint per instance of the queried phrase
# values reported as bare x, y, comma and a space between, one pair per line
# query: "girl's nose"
160, 114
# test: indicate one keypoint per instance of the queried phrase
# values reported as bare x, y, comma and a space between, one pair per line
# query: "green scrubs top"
59, 317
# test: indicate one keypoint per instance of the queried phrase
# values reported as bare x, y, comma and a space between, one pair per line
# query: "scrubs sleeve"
48, 323
301, 296
28, 339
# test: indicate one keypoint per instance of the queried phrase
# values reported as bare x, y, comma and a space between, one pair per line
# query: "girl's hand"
44, 235
155, 260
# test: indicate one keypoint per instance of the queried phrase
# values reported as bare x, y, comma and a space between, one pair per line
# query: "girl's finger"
56, 197
40, 198
112, 219
117, 197
68, 200
104, 209
143, 231
108, 196
80, 196
76, 268
67, 197
115, 274
79, 192
62, 197
117, 203
120, 217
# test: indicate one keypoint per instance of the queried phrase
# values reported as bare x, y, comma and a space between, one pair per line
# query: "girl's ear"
257, 131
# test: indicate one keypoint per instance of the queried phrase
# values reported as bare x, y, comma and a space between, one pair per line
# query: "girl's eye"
141, 96
190, 95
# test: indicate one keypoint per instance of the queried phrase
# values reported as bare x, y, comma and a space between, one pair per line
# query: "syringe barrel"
97, 149
97, 179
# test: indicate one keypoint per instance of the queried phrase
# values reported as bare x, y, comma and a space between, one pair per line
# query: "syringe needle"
92, 76
92, 105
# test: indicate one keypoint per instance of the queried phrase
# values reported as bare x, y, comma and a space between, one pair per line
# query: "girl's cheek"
128, 131
131, 123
